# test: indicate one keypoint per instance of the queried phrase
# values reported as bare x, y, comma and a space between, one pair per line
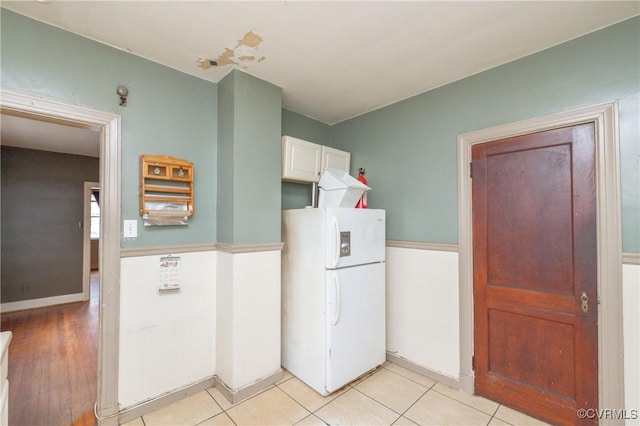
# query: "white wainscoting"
422, 308
423, 312
248, 317
167, 340
631, 315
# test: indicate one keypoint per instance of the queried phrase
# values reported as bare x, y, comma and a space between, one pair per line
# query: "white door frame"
109, 124
610, 336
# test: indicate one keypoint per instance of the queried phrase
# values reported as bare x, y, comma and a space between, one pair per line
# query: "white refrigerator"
333, 294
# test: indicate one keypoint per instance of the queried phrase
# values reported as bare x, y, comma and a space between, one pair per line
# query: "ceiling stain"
245, 52
206, 63
250, 39
225, 58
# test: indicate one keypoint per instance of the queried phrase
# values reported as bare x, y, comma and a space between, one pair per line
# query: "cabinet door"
335, 159
300, 160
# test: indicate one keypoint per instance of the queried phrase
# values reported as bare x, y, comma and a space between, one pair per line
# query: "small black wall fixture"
123, 92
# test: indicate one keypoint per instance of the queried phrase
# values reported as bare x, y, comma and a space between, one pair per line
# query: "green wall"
168, 112
226, 120
249, 160
409, 148
42, 201
298, 195
302, 127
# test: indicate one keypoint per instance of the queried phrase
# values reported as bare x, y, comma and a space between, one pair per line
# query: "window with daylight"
95, 217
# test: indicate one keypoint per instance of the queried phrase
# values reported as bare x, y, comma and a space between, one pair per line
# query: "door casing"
609, 247
108, 124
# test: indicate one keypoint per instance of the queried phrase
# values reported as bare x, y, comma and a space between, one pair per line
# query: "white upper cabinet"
304, 161
301, 160
335, 159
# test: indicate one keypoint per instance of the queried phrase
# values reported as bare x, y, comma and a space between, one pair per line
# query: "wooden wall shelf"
166, 186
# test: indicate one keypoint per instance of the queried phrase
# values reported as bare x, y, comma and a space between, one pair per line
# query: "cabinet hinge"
471, 170
473, 362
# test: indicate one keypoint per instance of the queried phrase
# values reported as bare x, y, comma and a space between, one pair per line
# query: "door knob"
585, 302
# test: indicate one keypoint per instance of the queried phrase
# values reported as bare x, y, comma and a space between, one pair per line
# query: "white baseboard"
433, 375
233, 396
42, 302
154, 404
236, 395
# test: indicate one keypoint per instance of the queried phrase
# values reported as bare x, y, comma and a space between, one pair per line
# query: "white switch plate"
130, 229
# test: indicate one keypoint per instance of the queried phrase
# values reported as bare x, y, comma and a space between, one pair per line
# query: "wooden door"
534, 263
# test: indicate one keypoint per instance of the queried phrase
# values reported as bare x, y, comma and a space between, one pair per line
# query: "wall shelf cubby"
166, 190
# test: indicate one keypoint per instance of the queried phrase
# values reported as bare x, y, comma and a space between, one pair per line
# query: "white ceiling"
22, 132
334, 59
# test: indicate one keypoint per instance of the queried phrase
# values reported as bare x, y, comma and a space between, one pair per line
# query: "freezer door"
354, 237
355, 323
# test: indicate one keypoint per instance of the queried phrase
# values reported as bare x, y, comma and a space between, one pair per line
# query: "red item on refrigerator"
362, 202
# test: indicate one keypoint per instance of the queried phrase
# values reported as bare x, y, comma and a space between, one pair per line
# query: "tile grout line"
294, 400
348, 387
464, 403
409, 378
219, 406
415, 402
428, 388
336, 398
493, 416
364, 379
498, 418
384, 405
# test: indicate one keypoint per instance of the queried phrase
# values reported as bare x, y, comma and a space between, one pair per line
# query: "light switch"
130, 229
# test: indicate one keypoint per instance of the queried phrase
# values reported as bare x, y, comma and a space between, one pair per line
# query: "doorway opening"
108, 126
91, 239
534, 226
609, 248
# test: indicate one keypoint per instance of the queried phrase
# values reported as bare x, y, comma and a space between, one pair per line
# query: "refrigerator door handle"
336, 282
336, 226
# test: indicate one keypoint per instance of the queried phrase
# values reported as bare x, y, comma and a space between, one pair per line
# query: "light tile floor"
389, 395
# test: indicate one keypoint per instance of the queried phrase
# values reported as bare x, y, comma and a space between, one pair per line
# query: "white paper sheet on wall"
169, 273
161, 213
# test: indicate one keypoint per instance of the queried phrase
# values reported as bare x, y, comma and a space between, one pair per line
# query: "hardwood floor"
53, 363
